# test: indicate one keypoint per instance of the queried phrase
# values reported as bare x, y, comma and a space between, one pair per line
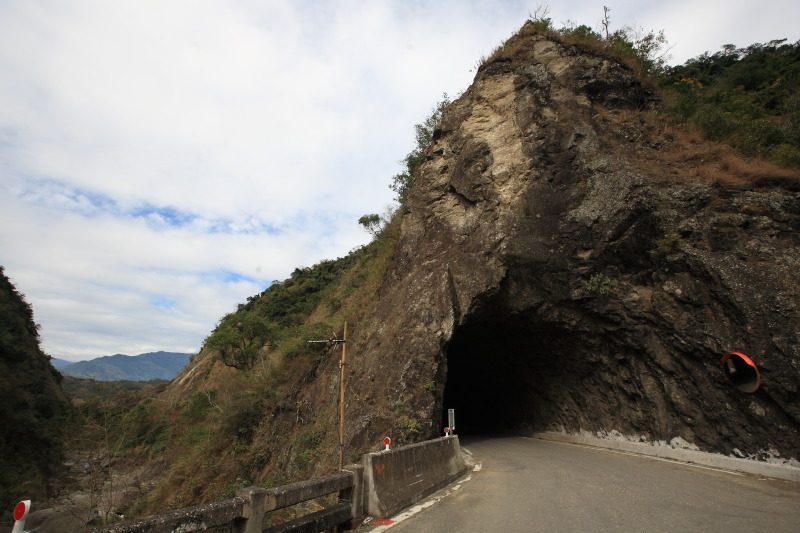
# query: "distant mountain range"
142, 367
59, 363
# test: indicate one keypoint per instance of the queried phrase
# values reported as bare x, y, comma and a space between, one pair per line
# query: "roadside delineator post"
447, 432
386, 442
21, 511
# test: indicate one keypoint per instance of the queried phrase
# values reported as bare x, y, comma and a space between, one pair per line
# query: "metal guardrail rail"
247, 511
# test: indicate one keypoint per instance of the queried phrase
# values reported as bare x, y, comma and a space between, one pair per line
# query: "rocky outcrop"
562, 267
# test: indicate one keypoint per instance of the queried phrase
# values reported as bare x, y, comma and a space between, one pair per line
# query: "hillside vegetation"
747, 97
81, 391
33, 411
214, 429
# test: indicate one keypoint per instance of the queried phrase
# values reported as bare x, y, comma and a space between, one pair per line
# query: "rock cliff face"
565, 260
562, 265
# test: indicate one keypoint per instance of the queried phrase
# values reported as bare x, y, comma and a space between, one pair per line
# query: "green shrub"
410, 426
290, 302
298, 344
580, 33
239, 337
715, 123
197, 405
786, 154
306, 449
243, 416
401, 183
600, 285
643, 51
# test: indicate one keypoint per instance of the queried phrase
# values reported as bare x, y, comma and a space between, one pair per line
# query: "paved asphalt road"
530, 485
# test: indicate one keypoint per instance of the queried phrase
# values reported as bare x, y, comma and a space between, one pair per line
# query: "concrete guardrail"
247, 511
384, 483
398, 478
713, 460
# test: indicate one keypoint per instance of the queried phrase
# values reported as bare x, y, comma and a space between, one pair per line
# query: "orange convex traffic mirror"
742, 372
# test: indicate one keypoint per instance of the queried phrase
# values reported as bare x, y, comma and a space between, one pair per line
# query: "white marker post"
386, 442
21, 511
451, 420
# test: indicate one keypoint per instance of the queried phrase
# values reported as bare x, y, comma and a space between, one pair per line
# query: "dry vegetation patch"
694, 157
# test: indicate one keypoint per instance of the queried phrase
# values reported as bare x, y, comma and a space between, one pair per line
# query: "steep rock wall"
557, 269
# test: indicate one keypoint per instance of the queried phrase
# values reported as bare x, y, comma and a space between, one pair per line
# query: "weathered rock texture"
557, 269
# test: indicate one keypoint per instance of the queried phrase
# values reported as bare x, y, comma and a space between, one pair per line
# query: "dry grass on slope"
692, 156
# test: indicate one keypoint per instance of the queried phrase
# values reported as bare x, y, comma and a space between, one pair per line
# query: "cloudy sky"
162, 160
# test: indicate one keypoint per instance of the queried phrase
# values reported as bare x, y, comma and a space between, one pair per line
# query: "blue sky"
160, 161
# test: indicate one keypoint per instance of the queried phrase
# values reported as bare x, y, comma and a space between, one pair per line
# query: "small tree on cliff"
424, 136
372, 223
239, 337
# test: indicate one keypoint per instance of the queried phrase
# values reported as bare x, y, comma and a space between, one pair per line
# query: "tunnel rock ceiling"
559, 270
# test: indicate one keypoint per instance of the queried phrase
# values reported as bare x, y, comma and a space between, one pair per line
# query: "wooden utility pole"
342, 362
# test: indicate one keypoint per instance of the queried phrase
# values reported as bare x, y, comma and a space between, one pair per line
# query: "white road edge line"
643, 455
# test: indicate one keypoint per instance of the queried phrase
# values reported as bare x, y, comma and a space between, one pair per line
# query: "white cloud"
150, 150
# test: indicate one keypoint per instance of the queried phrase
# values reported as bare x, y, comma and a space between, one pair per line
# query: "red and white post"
21, 511
387, 442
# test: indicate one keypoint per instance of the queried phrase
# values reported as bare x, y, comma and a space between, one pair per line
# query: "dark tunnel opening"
564, 369
509, 375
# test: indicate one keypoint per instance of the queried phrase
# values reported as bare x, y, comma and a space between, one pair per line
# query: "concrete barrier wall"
401, 477
713, 460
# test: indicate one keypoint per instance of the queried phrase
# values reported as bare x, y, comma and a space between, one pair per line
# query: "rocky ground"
93, 489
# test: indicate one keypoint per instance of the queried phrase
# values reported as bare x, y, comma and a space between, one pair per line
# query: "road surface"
527, 485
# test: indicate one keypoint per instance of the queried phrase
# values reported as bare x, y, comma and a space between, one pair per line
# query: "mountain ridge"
118, 367
59, 363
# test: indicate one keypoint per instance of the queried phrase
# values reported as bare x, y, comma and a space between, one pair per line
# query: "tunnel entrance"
559, 366
510, 375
